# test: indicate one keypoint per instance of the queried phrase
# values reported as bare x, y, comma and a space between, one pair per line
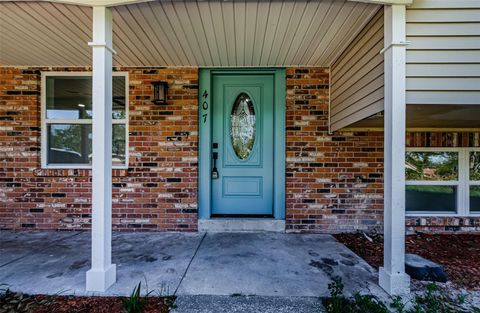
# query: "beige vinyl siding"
443, 58
357, 77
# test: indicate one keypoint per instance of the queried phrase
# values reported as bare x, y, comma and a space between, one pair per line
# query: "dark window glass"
118, 144
69, 144
475, 198
431, 166
475, 165
118, 102
70, 97
431, 198
72, 144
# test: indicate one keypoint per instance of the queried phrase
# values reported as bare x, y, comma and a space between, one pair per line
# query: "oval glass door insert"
242, 126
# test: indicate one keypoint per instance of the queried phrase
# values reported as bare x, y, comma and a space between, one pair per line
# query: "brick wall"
334, 181
159, 189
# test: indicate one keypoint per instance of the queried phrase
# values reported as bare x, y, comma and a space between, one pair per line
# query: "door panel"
242, 120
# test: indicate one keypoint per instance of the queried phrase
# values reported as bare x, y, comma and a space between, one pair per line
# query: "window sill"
86, 171
79, 167
440, 214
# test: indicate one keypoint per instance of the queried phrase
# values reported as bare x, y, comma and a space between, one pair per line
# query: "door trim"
205, 137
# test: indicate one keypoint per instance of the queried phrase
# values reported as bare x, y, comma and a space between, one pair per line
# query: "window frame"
463, 182
45, 121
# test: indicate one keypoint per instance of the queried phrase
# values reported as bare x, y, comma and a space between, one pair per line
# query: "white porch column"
392, 276
103, 273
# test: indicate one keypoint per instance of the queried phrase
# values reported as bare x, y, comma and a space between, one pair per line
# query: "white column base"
394, 284
101, 279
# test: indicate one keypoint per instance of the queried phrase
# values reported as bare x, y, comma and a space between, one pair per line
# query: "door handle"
215, 174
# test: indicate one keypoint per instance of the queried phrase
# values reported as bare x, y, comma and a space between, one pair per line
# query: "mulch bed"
17, 302
458, 253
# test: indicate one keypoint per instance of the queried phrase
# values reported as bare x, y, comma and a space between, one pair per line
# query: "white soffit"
185, 33
103, 3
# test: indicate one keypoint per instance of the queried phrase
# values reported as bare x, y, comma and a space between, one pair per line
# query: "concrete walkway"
247, 304
215, 264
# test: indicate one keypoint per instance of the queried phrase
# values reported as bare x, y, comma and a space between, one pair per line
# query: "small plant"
367, 303
434, 300
397, 304
437, 301
336, 302
164, 293
134, 303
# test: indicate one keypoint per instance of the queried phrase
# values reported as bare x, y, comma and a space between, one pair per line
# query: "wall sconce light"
160, 91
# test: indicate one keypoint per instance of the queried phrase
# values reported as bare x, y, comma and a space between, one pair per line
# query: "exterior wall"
443, 62
159, 189
443, 59
334, 181
357, 77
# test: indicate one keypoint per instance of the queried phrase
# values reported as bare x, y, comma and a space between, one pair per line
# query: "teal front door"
242, 144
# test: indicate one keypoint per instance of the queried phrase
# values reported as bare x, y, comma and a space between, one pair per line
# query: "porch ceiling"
185, 33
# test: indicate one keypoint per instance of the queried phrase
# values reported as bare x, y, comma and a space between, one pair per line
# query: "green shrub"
432, 300
337, 303
134, 303
368, 303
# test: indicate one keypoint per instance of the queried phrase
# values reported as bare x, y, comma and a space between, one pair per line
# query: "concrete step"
239, 225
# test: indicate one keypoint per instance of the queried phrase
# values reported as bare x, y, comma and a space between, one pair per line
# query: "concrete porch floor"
261, 264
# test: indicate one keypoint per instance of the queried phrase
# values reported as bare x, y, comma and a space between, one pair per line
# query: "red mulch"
73, 304
458, 253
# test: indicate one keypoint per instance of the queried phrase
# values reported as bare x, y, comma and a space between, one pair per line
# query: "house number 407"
205, 106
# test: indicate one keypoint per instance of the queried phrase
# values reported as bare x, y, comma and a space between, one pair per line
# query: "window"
67, 120
442, 181
474, 181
